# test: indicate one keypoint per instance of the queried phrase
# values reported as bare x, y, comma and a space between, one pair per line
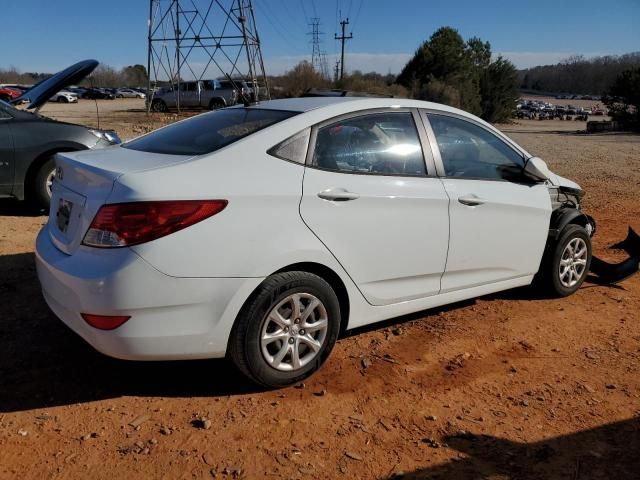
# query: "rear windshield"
208, 132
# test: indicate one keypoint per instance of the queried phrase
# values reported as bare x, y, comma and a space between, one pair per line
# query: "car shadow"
609, 451
43, 363
10, 207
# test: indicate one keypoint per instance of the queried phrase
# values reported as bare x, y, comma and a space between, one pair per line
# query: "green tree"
623, 99
499, 90
449, 70
444, 58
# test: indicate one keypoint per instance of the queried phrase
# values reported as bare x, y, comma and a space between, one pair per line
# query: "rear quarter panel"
260, 231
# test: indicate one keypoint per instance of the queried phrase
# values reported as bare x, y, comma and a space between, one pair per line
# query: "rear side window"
377, 143
208, 132
293, 149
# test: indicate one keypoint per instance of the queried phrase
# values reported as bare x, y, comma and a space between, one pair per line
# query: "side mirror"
537, 169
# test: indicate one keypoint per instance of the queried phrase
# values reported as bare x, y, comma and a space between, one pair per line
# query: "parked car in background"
29, 141
128, 93
97, 93
193, 94
78, 91
9, 93
64, 96
260, 232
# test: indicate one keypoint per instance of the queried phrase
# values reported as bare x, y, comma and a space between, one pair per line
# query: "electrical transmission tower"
202, 40
318, 57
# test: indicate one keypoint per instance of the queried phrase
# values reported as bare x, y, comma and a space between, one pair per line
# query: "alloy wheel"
294, 331
573, 262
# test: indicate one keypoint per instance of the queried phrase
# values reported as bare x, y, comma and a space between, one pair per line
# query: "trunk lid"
84, 180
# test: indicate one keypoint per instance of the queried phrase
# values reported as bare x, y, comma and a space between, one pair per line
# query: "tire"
258, 360
62, 100
159, 106
564, 280
216, 103
42, 187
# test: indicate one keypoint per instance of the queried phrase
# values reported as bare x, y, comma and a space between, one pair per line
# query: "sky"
46, 36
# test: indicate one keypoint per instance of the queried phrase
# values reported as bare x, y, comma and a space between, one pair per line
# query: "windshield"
208, 132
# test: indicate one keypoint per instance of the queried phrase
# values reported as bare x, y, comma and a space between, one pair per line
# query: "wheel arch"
569, 216
324, 272
219, 100
39, 160
333, 279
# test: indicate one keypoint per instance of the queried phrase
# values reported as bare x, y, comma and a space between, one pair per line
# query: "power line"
357, 14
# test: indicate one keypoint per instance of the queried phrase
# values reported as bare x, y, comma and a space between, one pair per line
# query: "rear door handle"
471, 200
338, 195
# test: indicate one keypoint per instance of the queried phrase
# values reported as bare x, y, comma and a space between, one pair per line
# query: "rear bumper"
171, 317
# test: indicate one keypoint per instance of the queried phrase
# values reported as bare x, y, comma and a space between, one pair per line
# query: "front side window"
377, 143
211, 85
208, 132
470, 151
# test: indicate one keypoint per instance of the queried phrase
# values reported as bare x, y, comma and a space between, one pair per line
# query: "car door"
7, 164
499, 220
189, 96
370, 194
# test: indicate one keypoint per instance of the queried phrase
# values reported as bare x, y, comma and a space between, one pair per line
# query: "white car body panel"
391, 256
501, 239
391, 248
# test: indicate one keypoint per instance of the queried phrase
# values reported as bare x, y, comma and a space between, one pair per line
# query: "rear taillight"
126, 224
105, 322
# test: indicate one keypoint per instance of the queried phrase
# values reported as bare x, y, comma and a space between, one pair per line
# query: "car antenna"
96, 101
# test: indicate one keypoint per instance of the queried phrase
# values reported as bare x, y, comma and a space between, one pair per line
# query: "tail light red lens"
105, 322
126, 224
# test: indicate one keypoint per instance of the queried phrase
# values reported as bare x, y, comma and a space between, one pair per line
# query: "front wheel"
567, 262
286, 330
43, 183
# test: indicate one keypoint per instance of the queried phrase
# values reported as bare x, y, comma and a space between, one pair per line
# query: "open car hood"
38, 95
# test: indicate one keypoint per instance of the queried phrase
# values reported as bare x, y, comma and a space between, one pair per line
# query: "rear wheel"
43, 182
159, 106
567, 262
62, 100
215, 104
285, 332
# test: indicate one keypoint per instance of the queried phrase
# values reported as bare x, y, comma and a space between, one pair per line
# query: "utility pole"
343, 38
336, 71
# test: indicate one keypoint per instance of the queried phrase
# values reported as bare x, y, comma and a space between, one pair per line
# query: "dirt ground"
509, 386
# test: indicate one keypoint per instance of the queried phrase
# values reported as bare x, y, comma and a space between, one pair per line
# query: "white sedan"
261, 232
129, 93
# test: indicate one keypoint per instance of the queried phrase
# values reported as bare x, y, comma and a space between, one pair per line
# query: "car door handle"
471, 200
338, 195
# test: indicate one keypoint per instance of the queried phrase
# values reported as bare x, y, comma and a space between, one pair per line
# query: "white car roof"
317, 109
305, 104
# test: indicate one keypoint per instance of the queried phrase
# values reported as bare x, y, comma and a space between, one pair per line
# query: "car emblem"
59, 173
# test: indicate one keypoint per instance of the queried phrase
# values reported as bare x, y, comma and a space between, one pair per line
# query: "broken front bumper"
608, 273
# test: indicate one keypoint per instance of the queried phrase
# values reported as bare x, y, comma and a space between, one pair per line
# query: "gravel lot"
507, 386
